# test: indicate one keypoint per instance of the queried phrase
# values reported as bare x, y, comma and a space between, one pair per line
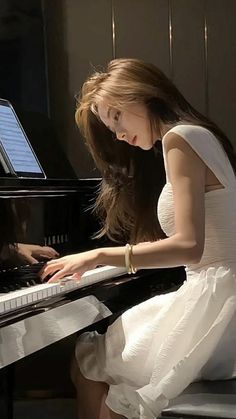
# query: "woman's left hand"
32, 253
74, 265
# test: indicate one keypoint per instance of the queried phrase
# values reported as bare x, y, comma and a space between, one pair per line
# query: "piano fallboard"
34, 327
46, 326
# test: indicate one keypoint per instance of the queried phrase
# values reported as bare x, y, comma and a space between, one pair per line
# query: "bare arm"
187, 175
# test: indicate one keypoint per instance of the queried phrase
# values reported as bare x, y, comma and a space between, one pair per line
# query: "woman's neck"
164, 128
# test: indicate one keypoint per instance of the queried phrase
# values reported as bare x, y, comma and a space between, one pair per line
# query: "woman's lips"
133, 141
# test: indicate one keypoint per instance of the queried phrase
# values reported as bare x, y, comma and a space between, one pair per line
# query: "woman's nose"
120, 136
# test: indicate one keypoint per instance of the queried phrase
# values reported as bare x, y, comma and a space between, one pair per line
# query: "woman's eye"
116, 116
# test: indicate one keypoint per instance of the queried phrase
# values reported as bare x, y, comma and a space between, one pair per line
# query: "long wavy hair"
132, 178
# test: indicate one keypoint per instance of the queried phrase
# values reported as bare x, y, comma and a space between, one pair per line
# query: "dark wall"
193, 41
23, 71
24, 80
49, 47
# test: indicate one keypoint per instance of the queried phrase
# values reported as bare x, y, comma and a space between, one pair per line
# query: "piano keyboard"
31, 295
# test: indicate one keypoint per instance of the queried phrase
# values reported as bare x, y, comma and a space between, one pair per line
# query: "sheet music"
15, 144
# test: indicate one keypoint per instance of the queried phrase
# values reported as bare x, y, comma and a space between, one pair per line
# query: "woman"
154, 350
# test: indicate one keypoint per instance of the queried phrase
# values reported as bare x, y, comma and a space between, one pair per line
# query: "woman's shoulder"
203, 142
197, 136
189, 130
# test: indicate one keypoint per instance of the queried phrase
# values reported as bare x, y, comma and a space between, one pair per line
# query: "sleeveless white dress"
156, 349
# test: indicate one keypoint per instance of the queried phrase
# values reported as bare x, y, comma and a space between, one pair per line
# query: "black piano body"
57, 213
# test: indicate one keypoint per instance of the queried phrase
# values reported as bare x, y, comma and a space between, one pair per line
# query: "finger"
44, 256
51, 249
30, 259
57, 276
53, 253
49, 269
49, 253
51, 262
76, 276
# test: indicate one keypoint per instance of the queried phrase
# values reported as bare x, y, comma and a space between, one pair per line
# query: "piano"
56, 211
34, 315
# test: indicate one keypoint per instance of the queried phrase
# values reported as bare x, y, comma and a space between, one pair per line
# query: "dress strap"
209, 149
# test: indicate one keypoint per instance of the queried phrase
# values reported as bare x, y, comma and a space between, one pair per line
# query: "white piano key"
35, 293
23, 299
19, 301
29, 298
1, 307
100, 274
13, 304
26, 296
40, 295
7, 305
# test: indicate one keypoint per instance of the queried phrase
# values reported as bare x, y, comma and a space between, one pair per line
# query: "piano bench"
204, 399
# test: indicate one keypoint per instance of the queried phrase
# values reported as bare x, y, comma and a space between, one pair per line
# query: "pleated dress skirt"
153, 351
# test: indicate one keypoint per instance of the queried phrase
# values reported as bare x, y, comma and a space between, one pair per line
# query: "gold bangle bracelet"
128, 256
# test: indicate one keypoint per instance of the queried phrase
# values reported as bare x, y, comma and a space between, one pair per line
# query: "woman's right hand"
74, 265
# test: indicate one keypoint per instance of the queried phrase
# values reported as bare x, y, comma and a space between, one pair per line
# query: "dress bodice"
220, 204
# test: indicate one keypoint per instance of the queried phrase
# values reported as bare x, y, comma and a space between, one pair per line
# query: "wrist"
96, 257
114, 256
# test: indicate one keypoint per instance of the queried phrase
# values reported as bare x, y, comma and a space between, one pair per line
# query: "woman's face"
130, 124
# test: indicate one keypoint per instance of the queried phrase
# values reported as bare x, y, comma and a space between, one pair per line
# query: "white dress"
156, 349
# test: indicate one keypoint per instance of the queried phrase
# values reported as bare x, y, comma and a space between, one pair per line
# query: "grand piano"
56, 211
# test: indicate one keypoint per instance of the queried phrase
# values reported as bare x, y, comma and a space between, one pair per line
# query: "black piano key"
13, 279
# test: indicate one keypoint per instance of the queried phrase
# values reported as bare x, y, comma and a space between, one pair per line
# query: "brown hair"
132, 178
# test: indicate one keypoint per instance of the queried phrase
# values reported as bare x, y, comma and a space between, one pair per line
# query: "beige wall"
192, 41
